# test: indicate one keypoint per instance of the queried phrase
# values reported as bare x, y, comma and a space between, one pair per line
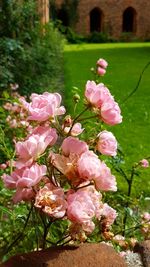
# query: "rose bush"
59, 175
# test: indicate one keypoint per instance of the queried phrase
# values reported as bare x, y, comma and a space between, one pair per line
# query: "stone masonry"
113, 16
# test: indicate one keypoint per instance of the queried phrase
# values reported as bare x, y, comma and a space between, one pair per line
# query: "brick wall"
112, 16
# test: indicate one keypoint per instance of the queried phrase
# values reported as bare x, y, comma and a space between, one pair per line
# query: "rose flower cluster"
70, 183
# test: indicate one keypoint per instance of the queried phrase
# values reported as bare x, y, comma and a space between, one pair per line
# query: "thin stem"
57, 128
138, 83
62, 239
7, 100
83, 186
22, 233
120, 170
76, 118
4, 145
46, 228
34, 222
50, 242
66, 241
131, 228
44, 236
130, 182
91, 117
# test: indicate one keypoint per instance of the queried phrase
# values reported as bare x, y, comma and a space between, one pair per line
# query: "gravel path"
133, 260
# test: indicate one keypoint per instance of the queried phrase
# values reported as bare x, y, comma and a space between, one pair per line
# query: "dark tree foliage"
68, 12
29, 55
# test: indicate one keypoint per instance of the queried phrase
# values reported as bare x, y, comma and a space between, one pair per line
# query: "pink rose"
111, 113
107, 143
97, 94
102, 63
31, 176
72, 145
144, 163
10, 181
82, 207
51, 200
106, 181
96, 199
23, 194
89, 166
109, 213
67, 166
25, 177
29, 150
44, 107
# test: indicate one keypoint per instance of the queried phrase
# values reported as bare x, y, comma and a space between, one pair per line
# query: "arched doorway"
129, 20
96, 20
63, 16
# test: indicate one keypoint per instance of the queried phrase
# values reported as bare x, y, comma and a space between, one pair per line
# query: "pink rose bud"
67, 121
77, 129
101, 71
144, 163
102, 63
107, 143
3, 166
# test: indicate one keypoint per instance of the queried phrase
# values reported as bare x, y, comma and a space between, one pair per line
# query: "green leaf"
5, 94
6, 210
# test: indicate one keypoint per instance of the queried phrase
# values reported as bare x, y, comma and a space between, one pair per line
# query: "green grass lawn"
126, 62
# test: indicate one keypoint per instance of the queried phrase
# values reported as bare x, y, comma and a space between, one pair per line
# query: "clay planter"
85, 255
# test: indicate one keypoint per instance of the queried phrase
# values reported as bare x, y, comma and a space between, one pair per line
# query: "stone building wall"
112, 19
112, 16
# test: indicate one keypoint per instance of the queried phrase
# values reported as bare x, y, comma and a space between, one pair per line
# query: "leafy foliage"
29, 52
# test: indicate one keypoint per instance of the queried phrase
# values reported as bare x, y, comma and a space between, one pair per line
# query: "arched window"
129, 20
63, 16
96, 20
